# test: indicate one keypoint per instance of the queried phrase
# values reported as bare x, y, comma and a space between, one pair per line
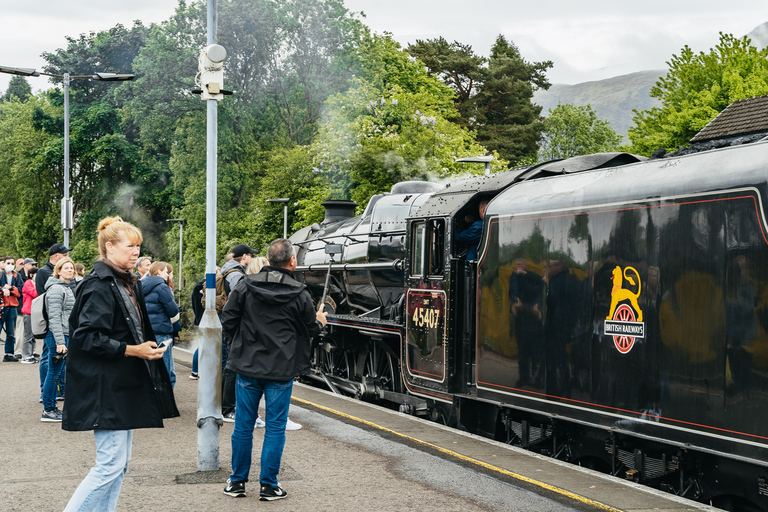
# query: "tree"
19, 88
493, 95
696, 88
572, 130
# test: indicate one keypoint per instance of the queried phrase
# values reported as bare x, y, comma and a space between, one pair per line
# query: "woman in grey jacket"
59, 301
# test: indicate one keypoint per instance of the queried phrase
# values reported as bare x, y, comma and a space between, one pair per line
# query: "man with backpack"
231, 274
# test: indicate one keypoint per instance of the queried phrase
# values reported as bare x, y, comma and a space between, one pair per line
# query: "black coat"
105, 389
271, 319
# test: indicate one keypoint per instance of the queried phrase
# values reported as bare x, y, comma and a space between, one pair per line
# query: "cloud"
31, 28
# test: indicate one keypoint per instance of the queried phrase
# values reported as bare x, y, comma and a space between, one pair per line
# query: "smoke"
152, 231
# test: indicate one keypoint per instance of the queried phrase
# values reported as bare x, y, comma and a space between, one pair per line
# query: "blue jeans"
54, 378
277, 397
194, 361
100, 488
9, 323
44, 362
168, 356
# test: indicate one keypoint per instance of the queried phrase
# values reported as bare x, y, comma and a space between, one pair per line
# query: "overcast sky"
586, 40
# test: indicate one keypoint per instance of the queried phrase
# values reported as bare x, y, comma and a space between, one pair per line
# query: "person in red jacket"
10, 284
29, 292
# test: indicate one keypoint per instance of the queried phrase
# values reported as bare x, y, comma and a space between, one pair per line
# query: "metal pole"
65, 203
209, 419
181, 241
285, 220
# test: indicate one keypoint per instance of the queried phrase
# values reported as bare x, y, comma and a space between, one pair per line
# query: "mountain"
759, 35
612, 99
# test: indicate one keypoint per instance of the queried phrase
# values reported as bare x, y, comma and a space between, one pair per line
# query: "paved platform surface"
348, 456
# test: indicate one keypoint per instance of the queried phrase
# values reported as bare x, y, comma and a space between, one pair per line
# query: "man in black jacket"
271, 319
55, 253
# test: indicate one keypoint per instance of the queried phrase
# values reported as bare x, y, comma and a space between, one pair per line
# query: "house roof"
741, 117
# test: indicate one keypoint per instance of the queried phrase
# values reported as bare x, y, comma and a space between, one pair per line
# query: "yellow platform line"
476, 462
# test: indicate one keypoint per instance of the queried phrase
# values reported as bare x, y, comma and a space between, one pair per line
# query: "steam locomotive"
616, 315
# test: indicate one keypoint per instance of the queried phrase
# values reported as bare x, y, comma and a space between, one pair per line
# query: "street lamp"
283, 200
181, 240
479, 160
66, 201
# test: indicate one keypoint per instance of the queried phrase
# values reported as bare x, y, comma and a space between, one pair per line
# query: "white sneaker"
290, 425
260, 423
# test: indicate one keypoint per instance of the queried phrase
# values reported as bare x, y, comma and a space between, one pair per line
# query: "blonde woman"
116, 380
59, 301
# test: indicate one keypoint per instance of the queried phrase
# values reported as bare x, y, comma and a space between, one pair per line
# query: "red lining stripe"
624, 410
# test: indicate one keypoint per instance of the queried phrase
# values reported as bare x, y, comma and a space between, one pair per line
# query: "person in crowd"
79, 272
254, 267
55, 253
162, 310
271, 320
114, 362
471, 235
19, 264
27, 266
29, 292
142, 266
59, 300
232, 272
11, 285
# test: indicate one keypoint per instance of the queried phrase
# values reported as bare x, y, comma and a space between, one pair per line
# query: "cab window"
428, 248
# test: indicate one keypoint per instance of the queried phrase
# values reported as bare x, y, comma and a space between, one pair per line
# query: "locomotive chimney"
338, 209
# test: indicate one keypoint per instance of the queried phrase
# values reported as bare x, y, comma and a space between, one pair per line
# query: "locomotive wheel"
379, 364
334, 363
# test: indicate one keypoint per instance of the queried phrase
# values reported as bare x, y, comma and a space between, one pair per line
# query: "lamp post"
479, 160
66, 201
283, 200
181, 241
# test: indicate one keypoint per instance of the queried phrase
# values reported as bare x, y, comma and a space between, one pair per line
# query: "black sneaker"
10, 358
235, 489
269, 493
53, 416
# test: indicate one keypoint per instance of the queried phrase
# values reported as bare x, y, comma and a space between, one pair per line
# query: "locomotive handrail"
386, 265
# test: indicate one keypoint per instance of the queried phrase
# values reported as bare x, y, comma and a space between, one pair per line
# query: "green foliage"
493, 95
18, 88
322, 108
571, 130
696, 88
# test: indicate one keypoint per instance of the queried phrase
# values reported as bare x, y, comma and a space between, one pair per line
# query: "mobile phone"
161, 344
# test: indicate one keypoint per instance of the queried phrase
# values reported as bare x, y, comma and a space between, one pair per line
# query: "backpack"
39, 317
222, 289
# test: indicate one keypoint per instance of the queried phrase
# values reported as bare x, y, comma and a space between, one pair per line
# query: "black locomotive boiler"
616, 315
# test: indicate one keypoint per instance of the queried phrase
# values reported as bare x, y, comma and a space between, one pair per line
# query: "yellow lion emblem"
618, 293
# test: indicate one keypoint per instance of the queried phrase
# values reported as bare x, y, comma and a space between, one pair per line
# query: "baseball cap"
29, 260
241, 249
58, 249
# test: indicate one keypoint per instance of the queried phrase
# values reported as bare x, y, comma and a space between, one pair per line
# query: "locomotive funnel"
338, 209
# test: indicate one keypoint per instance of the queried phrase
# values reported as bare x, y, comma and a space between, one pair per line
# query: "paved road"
328, 465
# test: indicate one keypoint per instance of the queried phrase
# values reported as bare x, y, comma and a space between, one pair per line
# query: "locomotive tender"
616, 315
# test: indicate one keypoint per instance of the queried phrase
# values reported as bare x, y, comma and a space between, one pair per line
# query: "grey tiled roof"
739, 118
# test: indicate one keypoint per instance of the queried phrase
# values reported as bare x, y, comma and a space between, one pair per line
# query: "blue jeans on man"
277, 397
100, 488
9, 324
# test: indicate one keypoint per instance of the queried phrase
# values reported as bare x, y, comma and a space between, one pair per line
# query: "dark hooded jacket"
271, 319
105, 389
